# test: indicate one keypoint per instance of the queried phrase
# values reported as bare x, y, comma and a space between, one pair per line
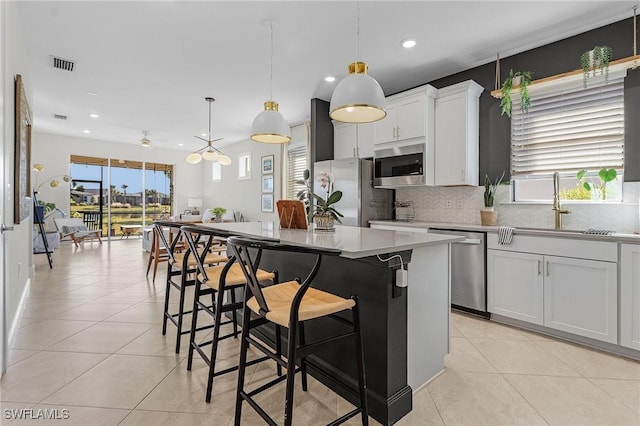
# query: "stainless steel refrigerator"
360, 202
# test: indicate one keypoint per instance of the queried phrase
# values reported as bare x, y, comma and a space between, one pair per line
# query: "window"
296, 158
244, 166
568, 128
296, 165
216, 172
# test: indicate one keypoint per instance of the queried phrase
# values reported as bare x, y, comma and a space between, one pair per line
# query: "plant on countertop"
604, 176
524, 78
490, 190
322, 205
595, 59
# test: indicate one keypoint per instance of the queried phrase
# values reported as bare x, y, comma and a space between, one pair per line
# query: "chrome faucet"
559, 211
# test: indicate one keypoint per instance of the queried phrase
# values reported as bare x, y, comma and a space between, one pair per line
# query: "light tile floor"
90, 341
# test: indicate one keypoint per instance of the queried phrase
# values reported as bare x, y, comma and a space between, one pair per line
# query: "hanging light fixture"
208, 152
270, 126
357, 98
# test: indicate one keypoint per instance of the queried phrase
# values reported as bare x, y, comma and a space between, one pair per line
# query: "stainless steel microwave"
399, 166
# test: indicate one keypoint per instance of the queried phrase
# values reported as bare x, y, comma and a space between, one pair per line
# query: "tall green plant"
490, 189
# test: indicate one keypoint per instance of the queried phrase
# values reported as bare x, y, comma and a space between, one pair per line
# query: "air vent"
59, 117
62, 64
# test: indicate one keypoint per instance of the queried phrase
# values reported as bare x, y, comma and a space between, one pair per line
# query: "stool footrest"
306, 350
258, 409
269, 384
346, 417
266, 351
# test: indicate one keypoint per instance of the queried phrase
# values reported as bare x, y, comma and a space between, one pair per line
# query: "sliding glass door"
121, 197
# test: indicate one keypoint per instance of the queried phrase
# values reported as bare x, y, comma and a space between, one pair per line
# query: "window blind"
568, 130
296, 165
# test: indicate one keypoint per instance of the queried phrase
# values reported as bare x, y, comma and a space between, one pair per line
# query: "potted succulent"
217, 213
595, 59
520, 79
489, 216
604, 176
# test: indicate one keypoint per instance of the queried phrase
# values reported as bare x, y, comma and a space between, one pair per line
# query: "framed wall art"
267, 203
22, 154
267, 183
267, 164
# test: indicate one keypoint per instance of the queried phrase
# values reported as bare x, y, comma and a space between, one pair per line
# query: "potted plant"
217, 213
518, 79
604, 176
489, 216
323, 212
595, 59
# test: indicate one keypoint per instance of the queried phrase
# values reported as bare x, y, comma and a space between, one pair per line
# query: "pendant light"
208, 152
357, 98
270, 126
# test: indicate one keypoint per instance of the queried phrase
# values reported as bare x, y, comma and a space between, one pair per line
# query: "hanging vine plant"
522, 80
593, 60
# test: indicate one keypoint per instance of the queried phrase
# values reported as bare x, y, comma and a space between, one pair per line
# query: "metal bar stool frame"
178, 267
297, 348
216, 309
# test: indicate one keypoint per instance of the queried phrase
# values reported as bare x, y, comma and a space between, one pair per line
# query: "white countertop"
566, 233
354, 242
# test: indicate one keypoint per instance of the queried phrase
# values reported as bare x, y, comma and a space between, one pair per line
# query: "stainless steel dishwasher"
468, 271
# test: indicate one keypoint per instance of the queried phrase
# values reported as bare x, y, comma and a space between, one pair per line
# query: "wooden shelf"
630, 62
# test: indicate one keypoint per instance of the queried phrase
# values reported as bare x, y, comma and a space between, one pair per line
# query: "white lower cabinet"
630, 296
515, 285
545, 287
581, 297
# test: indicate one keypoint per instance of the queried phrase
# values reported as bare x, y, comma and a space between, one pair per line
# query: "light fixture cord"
357, 31
271, 65
209, 138
635, 31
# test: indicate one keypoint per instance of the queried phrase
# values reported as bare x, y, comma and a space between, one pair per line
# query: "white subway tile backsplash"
439, 204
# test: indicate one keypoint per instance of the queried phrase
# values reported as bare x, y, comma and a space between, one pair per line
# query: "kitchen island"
405, 325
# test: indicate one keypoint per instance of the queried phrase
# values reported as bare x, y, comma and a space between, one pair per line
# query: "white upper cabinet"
457, 134
409, 116
352, 140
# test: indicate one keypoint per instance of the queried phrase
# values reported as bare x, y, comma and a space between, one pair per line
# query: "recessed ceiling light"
94, 115
86, 131
180, 144
203, 134
92, 94
329, 79
408, 43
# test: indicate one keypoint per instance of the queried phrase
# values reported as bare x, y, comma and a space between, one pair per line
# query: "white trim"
16, 318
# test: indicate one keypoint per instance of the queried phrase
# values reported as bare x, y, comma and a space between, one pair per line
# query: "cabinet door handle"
547, 268
539, 267
394, 132
463, 174
398, 133
354, 151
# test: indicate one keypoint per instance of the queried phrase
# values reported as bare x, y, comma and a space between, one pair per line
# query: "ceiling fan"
145, 142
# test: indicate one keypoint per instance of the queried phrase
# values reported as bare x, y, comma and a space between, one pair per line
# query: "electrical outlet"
448, 204
460, 204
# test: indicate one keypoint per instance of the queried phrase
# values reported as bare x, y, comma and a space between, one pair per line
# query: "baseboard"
16, 318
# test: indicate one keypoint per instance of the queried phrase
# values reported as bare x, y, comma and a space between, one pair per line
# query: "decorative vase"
324, 223
489, 217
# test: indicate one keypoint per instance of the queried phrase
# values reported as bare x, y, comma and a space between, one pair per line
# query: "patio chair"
75, 229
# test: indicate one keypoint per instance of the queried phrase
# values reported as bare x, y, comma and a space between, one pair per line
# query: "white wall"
54, 151
17, 244
243, 195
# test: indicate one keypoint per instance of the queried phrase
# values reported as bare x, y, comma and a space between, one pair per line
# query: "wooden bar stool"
214, 282
181, 271
290, 304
